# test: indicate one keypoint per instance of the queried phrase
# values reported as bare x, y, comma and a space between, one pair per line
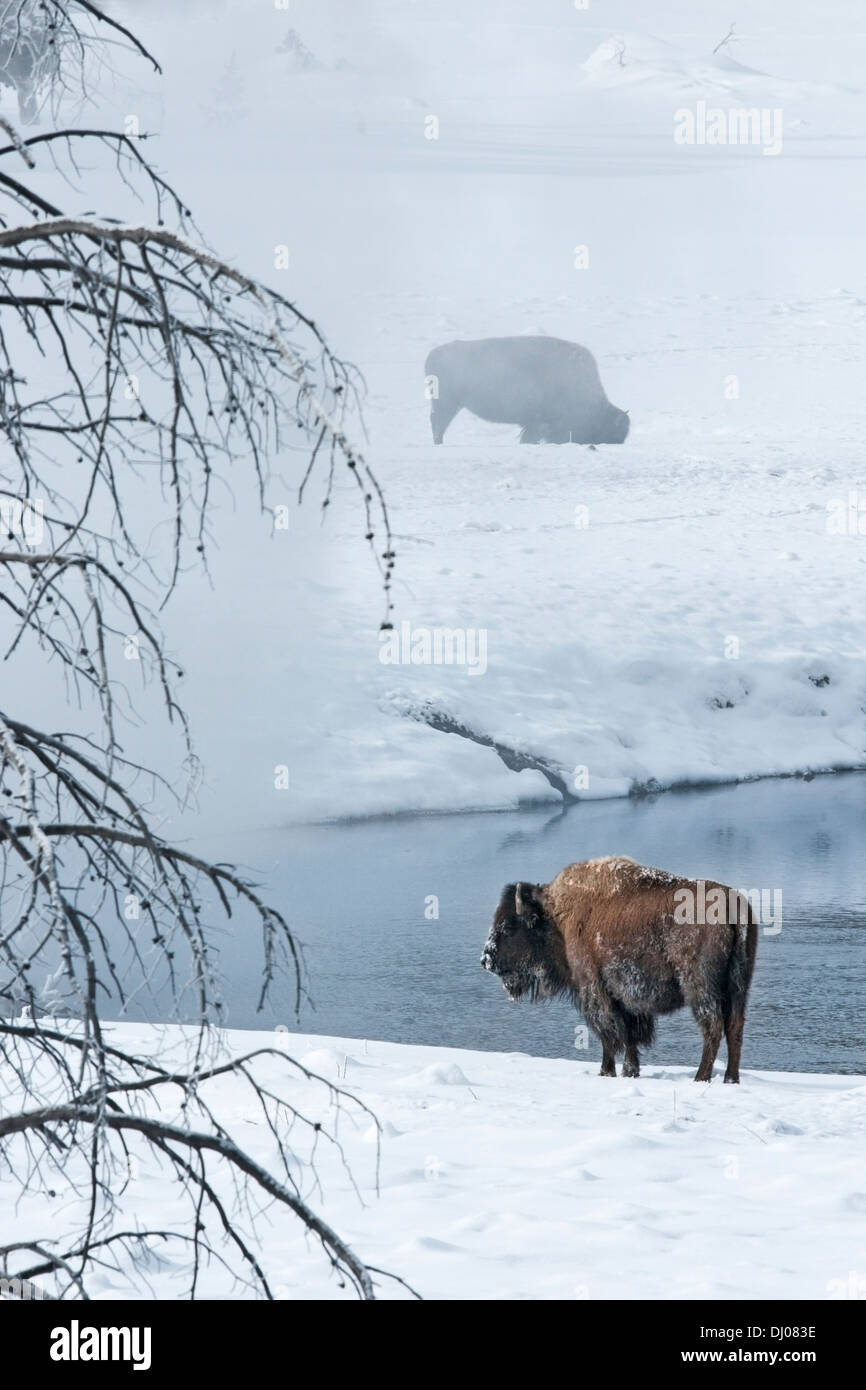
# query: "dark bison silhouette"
549, 387
626, 943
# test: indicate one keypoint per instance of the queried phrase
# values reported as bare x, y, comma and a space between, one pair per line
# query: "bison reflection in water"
549, 387
627, 943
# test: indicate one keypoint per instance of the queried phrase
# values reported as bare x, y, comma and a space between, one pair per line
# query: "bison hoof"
605, 1072
732, 1080
630, 1071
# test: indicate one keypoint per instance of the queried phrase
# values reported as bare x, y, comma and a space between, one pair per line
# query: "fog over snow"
679, 608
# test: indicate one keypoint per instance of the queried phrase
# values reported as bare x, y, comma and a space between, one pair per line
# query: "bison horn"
523, 902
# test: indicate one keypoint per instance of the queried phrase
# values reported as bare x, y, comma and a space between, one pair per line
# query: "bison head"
523, 945
616, 426
619, 424
607, 425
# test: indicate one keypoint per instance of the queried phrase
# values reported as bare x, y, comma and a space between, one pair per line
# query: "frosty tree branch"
133, 357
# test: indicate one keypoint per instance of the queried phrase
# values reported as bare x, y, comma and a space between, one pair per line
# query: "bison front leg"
442, 412
711, 1027
606, 1021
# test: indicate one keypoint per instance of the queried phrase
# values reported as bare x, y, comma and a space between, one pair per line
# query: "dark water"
379, 969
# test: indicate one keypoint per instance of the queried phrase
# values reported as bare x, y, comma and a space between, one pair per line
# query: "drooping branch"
63, 1129
201, 1142
515, 759
145, 879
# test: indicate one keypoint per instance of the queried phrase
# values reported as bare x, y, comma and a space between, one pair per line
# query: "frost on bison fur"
612, 934
549, 387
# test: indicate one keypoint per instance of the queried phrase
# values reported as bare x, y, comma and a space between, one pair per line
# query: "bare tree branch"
135, 362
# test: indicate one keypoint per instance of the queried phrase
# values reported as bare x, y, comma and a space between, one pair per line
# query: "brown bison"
550, 387
627, 942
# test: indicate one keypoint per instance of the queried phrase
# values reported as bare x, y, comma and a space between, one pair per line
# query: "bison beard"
607, 933
550, 387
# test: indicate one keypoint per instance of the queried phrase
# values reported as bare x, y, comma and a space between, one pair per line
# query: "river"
362, 897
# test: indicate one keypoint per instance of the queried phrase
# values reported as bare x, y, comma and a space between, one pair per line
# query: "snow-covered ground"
509, 1176
505, 1176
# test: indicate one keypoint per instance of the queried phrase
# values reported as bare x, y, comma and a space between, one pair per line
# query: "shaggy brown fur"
612, 934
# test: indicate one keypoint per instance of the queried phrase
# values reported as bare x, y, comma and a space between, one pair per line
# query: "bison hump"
612, 874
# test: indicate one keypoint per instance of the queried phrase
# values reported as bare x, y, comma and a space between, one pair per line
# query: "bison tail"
751, 947
741, 962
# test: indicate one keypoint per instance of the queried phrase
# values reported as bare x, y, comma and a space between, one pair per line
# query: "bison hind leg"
735, 1018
